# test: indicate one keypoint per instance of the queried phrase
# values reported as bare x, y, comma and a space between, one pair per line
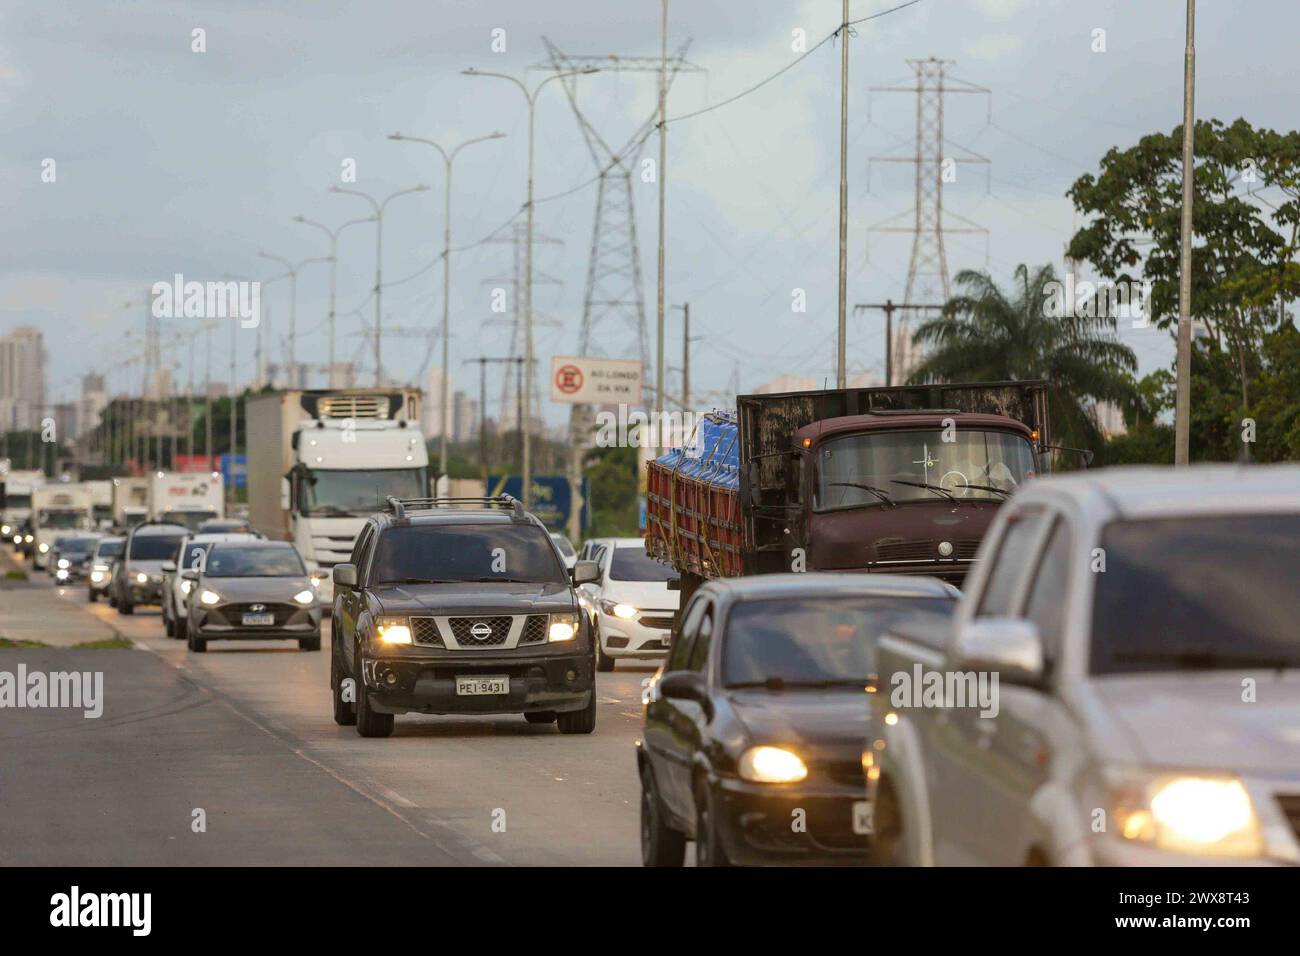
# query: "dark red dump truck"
899, 480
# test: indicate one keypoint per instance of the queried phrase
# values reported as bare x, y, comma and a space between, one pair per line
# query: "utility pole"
207, 395
1183, 394
687, 339
334, 272
663, 183
889, 307
842, 334
483, 361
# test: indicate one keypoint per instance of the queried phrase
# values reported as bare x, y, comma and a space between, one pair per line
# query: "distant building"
436, 419
90, 407
22, 378
464, 418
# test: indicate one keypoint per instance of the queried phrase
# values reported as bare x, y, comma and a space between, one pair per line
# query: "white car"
633, 607
566, 549
176, 588
1120, 684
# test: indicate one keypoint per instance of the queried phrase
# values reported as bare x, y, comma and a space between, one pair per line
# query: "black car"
251, 589
70, 560
756, 723
460, 606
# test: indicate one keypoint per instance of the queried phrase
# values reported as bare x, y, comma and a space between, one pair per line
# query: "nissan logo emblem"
481, 631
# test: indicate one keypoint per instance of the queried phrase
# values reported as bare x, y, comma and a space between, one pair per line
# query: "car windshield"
60, 519
633, 564
877, 468
814, 641
109, 549
1198, 593
359, 492
15, 500
465, 553
153, 547
228, 562
190, 519
77, 546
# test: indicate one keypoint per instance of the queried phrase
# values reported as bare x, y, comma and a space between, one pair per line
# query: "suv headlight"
625, 611
1208, 814
564, 627
187, 587
393, 630
772, 765
141, 578
43, 547
64, 564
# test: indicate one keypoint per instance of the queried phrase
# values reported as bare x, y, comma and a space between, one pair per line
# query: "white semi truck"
320, 462
16, 502
58, 508
186, 497
130, 502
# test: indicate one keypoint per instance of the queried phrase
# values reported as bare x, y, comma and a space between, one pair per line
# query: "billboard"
579, 380
552, 501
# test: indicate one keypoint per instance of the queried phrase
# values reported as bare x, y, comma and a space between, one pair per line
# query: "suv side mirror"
1008, 646
169, 566
685, 685
345, 575
586, 572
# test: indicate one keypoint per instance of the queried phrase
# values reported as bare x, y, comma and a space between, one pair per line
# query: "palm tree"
985, 335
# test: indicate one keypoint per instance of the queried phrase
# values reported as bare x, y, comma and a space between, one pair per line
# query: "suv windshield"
897, 465
80, 546
633, 564
153, 547
1185, 593
359, 492
414, 554
109, 549
263, 562
814, 640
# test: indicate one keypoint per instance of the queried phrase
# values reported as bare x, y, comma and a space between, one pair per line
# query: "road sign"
595, 381
552, 501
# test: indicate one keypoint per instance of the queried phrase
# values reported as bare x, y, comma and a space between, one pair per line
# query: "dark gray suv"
460, 606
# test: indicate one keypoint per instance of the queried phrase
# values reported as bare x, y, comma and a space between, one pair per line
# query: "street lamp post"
379, 263
1183, 378
292, 271
526, 465
447, 159
334, 271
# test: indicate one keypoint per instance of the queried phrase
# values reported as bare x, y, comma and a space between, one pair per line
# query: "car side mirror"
345, 575
1007, 646
684, 685
586, 572
187, 575
169, 566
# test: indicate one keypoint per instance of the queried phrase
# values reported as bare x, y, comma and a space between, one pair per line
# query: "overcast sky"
174, 161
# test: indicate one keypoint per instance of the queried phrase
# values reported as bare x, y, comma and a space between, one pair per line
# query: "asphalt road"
244, 734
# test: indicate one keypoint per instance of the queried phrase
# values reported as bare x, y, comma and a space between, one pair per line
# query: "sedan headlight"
1209, 815
61, 574
43, 548
564, 627
625, 611
209, 597
5, 530
772, 765
64, 564
141, 578
305, 596
393, 631
27, 539
97, 576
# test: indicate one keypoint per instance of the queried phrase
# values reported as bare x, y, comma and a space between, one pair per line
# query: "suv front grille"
498, 630
534, 630
424, 631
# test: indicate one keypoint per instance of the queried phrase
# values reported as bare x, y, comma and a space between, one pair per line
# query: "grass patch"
15, 574
10, 642
108, 643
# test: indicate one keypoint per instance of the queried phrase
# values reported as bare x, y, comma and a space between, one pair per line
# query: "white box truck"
57, 509
16, 500
320, 462
186, 497
130, 502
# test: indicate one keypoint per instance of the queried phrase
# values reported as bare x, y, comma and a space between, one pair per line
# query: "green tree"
614, 503
986, 334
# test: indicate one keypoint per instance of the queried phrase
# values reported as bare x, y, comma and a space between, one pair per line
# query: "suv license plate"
258, 620
474, 686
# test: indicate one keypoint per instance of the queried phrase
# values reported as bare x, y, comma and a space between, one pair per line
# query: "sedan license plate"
475, 686
258, 620
862, 817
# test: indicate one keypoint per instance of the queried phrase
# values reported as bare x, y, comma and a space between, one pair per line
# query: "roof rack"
399, 506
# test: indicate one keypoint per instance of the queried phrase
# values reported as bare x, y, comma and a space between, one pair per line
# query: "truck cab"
16, 502
57, 509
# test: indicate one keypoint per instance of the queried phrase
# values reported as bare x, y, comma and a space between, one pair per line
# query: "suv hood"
1199, 719
473, 597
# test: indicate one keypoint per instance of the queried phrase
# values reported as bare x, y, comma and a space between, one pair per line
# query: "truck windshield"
815, 640
60, 519
190, 519
359, 492
465, 553
1198, 593
877, 468
14, 500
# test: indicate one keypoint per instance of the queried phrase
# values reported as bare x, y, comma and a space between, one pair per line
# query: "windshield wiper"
935, 488
871, 488
1001, 491
1204, 659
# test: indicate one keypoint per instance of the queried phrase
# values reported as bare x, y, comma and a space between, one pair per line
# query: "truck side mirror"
586, 572
1007, 646
286, 494
345, 575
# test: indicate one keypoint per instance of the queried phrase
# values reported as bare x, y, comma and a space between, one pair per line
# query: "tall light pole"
334, 272
841, 373
662, 175
527, 463
1183, 393
447, 159
292, 271
379, 263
